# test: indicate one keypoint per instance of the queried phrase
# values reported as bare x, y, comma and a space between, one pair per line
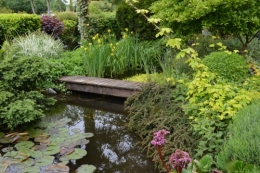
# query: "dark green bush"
159, 107
243, 141
12, 25
232, 67
70, 35
128, 18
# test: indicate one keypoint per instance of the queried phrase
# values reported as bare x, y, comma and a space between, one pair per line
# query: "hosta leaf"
44, 161
86, 169
59, 168
77, 154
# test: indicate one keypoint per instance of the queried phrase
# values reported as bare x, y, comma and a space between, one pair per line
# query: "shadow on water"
113, 149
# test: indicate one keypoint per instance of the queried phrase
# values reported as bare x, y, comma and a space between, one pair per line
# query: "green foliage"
231, 67
128, 18
12, 25
5, 10
72, 62
35, 44
212, 103
24, 6
232, 17
67, 15
243, 140
160, 107
27, 73
70, 34
203, 165
107, 58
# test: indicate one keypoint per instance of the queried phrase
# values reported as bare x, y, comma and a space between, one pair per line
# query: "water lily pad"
11, 154
86, 169
83, 142
76, 130
3, 167
33, 169
24, 144
22, 138
58, 140
36, 154
7, 149
44, 161
62, 122
28, 162
34, 132
63, 130
65, 151
60, 168
88, 135
5, 140
77, 154
18, 158
51, 150
41, 137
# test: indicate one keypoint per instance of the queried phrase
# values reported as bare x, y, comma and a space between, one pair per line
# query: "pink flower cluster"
180, 159
159, 137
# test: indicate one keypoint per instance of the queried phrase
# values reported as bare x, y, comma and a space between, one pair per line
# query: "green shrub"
244, 137
67, 15
12, 25
35, 44
232, 67
159, 107
70, 35
28, 73
128, 18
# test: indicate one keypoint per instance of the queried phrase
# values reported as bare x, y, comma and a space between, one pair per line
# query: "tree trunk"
82, 11
33, 6
48, 7
60, 3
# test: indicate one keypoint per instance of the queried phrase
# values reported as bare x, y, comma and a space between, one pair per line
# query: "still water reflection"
113, 149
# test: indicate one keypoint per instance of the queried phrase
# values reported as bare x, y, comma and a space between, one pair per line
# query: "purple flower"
159, 137
180, 160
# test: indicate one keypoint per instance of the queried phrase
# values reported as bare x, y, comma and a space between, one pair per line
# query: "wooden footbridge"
104, 86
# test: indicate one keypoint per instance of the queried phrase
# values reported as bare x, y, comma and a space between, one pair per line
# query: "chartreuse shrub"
243, 140
12, 25
35, 44
70, 34
159, 106
212, 103
230, 66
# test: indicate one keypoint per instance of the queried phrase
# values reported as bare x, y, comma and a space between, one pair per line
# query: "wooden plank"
103, 86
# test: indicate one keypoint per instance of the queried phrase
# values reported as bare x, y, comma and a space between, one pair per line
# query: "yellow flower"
113, 50
112, 54
81, 47
93, 38
132, 32
87, 24
99, 41
90, 44
126, 29
85, 49
108, 30
124, 36
111, 44
117, 43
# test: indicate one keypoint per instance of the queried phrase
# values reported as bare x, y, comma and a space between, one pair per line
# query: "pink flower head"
180, 160
159, 137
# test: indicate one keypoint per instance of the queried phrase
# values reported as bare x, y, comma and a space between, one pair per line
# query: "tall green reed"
107, 57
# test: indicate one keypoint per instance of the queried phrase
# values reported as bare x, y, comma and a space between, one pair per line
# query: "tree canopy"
227, 17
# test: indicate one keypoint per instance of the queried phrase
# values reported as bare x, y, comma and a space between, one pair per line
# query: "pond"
113, 148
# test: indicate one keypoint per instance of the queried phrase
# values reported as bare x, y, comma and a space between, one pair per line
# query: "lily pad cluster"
46, 148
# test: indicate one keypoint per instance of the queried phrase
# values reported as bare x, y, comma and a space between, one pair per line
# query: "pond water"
113, 148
